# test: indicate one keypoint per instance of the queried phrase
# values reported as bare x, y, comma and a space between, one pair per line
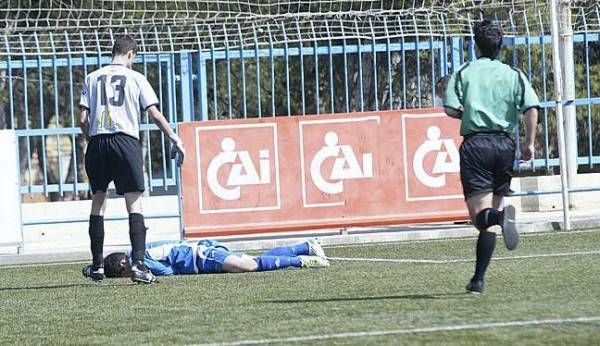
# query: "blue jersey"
176, 258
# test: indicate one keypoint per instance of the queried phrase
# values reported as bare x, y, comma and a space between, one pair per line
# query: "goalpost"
558, 90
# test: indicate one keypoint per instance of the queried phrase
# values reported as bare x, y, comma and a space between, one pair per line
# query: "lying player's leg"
242, 263
219, 260
308, 248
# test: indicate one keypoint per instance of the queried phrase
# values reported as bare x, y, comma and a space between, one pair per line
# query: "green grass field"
541, 299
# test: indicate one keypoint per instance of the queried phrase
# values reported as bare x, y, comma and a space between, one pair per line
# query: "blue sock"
296, 250
266, 263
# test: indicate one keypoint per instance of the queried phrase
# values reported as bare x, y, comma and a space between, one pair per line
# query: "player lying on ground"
209, 256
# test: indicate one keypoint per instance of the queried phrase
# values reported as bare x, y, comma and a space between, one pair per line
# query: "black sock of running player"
486, 218
485, 248
137, 235
96, 232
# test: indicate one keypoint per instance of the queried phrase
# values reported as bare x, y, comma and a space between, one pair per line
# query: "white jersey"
116, 96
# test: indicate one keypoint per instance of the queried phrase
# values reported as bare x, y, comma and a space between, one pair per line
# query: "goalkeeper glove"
177, 150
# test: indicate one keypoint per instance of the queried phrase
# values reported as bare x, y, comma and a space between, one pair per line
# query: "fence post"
185, 80
456, 53
203, 88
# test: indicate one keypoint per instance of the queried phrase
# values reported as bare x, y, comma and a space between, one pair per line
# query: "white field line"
25, 265
379, 244
364, 259
461, 260
419, 241
438, 329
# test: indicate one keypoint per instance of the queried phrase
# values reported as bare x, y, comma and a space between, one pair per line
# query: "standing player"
112, 100
488, 96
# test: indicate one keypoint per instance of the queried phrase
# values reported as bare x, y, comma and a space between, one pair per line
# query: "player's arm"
177, 149
529, 106
156, 258
157, 268
84, 122
531, 119
84, 110
149, 101
452, 104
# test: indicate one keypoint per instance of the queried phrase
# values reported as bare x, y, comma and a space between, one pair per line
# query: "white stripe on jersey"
115, 96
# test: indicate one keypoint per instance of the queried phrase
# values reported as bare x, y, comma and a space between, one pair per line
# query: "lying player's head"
125, 49
116, 265
488, 37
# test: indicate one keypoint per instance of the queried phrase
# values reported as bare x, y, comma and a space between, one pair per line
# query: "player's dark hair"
112, 265
441, 85
488, 37
123, 45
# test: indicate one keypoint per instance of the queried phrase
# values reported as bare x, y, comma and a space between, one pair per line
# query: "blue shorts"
212, 258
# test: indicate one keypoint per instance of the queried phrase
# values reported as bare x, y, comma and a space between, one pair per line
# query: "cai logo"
338, 159
431, 157
238, 168
446, 159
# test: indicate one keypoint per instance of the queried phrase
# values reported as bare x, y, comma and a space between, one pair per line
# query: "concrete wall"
581, 200
10, 199
73, 236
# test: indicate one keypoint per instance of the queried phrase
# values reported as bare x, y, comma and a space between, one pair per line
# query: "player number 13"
119, 92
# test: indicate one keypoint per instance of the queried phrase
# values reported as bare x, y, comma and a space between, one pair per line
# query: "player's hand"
177, 150
527, 151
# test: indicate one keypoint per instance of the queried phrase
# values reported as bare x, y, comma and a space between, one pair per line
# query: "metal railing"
39, 94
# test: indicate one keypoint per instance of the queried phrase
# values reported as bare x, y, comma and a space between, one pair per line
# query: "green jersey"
490, 94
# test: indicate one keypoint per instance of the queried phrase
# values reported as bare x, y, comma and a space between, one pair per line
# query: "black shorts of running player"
115, 157
486, 163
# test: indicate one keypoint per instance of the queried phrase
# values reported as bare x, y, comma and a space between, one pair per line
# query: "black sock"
485, 248
137, 235
96, 232
486, 218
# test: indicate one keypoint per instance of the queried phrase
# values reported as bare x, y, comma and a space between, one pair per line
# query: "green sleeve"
528, 97
453, 94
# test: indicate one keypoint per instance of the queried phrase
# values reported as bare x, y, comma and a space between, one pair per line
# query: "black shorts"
486, 163
115, 157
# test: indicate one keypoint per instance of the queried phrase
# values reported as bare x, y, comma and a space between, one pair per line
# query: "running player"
488, 96
209, 256
112, 100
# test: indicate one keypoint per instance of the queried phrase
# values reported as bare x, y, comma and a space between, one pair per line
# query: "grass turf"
55, 305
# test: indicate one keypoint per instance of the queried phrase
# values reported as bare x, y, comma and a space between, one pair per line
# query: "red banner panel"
310, 172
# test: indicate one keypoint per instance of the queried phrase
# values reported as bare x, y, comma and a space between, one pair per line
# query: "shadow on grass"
49, 287
406, 296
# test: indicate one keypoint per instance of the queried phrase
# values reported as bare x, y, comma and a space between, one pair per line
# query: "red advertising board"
298, 173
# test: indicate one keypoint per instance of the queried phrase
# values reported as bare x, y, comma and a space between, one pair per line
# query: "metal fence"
39, 94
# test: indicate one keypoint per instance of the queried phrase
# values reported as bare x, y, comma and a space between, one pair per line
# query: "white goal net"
43, 27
